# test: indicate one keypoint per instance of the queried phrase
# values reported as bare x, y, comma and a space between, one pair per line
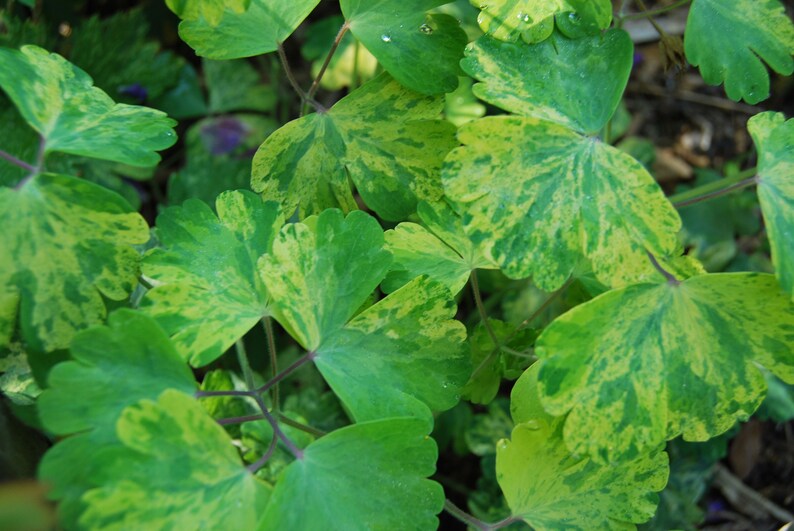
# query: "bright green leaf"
114, 366
59, 101
395, 356
539, 198
774, 138
366, 476
395, 31
577, 83
256, 31
210, 10
67, 245
441, 251
461, 106
207, 292
641, 365
177, 469
387, 139
551, 489
507, 19
730, 40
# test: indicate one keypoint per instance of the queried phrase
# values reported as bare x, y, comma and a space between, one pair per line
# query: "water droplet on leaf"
385, 38
424, 28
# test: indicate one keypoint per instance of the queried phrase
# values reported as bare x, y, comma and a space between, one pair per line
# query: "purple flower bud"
223, 135
135, 91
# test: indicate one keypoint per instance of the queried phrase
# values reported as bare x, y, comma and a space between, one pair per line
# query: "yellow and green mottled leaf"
506, 20
395, 358
387, 139
371, 475
574, 82
210, 10
552, 489
393, 31
774, 138
208, 292
67, 244
539, 198
641, 365
247, 33
730, 40
114, 366
441, 251
59, 101
177, 469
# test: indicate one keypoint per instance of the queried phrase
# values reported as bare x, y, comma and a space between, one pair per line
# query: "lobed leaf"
361, 477
641, 365
774, 139
255, 31
211, 11
387, 139
72, 116
207, 292
538, 198
730, 40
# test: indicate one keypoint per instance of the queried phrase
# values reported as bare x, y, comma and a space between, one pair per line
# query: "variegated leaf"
539, 198
67, 244
72, 116
730, 40
551, 489
210, 10
397, 357
774, 138
641, 365
207, 292
387, 139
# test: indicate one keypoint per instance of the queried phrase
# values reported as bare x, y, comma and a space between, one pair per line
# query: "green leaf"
16, 378
219, 154
394, 31
507, 19
360, 477
441, 251
461, 106
114, 366
211, 11
59, 101
219, 407
67, 245
774, 137
552, 489
579, 85
207, 292
177, 469
539, 198
236, 86
641, 365
256, 31
387, 139
395, 356
730, 40
16, 139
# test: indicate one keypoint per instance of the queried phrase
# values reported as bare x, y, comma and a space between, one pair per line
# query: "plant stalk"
17, 162
273, 354
475, 288
715, 189
337, 41
475, 522
655, 12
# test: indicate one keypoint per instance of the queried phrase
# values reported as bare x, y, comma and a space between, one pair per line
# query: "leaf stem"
656, 26
300, 362
239, 420
666, 274
715, 189
655, 12
259, 463
273, 354
475, 288
475, 522
17, 162
242, 358
294, 450
294, 82
337, 41
311, 430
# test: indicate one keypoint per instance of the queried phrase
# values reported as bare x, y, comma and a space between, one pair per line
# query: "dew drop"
424, 28
523, 17
573, 17
385, 38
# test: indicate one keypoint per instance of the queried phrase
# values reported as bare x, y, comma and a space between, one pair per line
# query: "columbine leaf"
730, 40
575, 82
207, 292
393, 31
177, 469
441, 251
641, 365
539, 198
236, 86
774, 138
59, 101
507, 19
551, 489
66, 244
255, 31
386, 138
391, 359
210, 10
114, 366
358, 477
